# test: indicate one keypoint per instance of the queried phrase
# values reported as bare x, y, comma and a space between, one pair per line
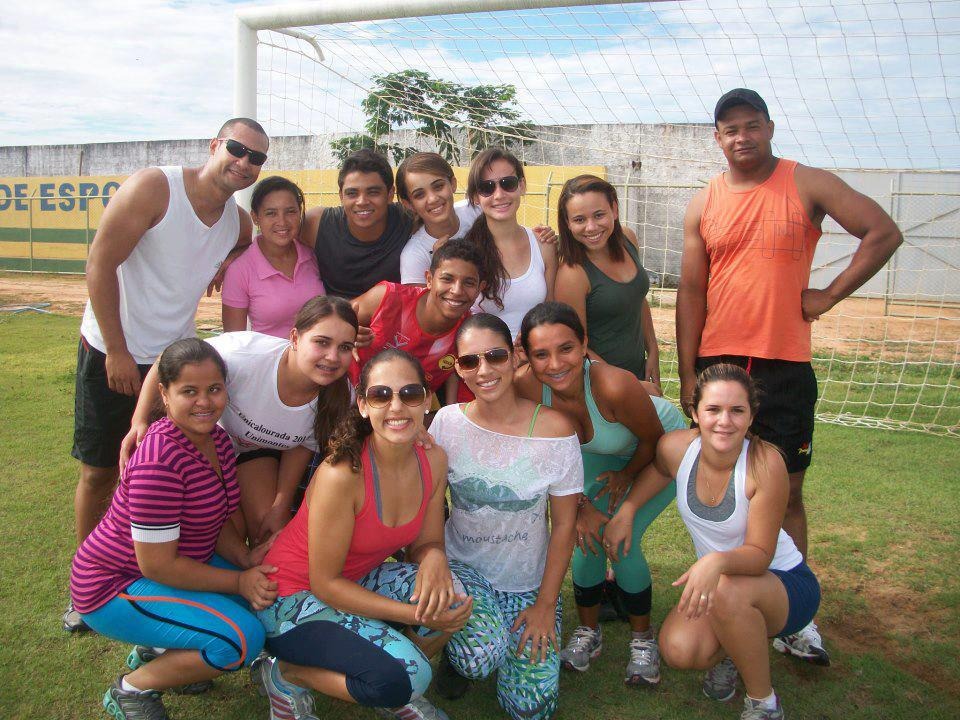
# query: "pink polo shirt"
270, 298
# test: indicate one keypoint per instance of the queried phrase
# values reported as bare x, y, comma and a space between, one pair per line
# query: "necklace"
710, 491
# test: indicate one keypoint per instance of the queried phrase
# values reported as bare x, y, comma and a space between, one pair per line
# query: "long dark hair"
479, 233
346, 440
333, 400
571, 251
727, 372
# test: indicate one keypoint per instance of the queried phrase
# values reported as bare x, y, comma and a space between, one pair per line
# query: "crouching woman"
164, 568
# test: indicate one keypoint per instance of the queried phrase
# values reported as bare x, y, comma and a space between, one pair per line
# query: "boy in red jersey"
424, 320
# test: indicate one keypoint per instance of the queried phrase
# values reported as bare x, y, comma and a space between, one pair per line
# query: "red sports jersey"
394, 324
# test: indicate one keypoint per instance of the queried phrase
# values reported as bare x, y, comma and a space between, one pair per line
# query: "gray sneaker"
141, 655
805, 644
123, 704
644, 665
419, 709
753, 710
720, 682
584, 645
72, 621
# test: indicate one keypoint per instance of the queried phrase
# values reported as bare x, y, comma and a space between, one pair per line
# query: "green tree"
436, 109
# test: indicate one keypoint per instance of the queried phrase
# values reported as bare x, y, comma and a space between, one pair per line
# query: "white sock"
768, 703
159, 651
642, 634
125, 685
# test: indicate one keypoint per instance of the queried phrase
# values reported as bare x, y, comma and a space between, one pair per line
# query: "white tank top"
521, 293
163, 279
720, 536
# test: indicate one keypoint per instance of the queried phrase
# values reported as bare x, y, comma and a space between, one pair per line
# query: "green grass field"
885, 523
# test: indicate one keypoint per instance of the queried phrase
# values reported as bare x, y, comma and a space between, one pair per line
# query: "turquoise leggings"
221, 627
632, 571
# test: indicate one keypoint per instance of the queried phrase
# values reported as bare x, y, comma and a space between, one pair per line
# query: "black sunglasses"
488, 187
378, 396
238, 150
471, 361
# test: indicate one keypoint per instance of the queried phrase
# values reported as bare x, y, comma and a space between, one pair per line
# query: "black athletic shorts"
101, 416
788, 397
258, 453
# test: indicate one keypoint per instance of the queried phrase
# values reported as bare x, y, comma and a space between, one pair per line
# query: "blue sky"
850, 82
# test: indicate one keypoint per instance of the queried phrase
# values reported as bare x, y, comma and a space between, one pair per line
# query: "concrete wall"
656, 168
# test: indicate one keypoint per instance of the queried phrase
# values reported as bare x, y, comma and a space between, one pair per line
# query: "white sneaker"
805, 644
287, 701
419, 709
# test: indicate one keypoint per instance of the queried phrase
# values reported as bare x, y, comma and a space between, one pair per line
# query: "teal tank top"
612, 444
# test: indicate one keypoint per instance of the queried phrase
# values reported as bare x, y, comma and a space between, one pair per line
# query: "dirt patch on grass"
67, 295
893, 614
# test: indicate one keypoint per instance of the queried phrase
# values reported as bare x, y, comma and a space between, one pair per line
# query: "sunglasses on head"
471, 361
238, 150
488, 187
378, 396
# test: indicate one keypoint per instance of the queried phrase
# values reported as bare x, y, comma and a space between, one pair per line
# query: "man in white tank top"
161, 240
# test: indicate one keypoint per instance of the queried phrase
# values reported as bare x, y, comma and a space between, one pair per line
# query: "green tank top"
614, 318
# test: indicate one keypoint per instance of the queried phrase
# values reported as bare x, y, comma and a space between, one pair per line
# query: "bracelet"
581, 501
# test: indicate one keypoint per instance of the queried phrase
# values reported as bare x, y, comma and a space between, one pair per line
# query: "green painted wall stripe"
43, 265
41, 235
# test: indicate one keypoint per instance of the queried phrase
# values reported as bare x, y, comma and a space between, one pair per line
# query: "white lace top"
499, 486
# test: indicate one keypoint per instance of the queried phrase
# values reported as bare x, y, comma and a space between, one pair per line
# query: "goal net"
868, 88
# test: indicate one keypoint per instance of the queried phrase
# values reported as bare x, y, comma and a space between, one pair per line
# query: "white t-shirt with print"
417, 253
255, 416
499, 486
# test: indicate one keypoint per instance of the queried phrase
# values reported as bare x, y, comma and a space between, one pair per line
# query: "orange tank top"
760, 246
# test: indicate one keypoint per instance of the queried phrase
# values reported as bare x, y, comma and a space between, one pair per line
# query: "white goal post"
869, 89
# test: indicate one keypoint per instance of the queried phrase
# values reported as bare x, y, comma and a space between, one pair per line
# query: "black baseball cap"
739, 96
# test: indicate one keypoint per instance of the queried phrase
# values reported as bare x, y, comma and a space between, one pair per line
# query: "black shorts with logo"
101, 416
788, 397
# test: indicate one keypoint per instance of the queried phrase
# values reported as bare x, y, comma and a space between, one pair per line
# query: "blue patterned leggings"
383, 667
527, 691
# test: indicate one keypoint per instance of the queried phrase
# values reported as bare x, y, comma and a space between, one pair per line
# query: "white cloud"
850, 82
100, 70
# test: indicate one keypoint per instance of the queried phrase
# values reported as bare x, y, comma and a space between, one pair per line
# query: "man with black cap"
749, 240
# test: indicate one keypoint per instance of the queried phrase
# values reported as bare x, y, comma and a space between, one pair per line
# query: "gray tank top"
716, 513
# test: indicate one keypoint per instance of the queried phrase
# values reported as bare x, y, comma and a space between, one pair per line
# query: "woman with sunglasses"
618, 424
286, 395
270, 282
347, 623
426, 185
515, 476
522, 271
749, 582
165, 567
602, 278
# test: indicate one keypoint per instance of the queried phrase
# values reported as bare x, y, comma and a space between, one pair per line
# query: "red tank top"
760, 246
395, 325
372, 541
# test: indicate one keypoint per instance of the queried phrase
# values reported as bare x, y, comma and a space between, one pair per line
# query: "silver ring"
702, 597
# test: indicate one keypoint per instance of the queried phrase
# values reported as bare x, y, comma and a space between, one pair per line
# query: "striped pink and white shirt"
168, 491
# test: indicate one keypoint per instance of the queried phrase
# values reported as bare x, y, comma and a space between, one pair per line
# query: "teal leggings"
632, 571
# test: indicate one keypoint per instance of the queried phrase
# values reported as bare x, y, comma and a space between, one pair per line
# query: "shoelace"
583, 635
755, 712
642, 651
723, 673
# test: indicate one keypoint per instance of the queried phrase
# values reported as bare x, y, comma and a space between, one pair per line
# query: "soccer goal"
869, 89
